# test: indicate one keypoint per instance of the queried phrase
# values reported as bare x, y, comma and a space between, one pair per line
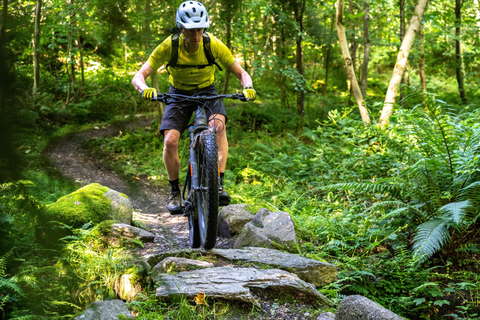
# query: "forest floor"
149, 204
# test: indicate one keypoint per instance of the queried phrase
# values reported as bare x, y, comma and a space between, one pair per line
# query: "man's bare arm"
241, 74
139, 78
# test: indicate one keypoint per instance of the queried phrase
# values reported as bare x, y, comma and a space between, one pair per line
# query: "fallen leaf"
200, 299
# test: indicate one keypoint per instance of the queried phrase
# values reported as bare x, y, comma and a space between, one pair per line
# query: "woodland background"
392, 200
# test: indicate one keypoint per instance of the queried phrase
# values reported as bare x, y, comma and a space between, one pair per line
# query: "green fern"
7, 285
430, 237
366, 187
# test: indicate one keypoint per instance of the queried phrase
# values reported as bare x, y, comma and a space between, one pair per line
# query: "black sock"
174, 184
222, 174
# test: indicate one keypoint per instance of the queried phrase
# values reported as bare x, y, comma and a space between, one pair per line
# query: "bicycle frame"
200, 203
200, 124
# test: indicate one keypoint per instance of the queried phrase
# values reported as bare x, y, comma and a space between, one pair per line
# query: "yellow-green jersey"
191, 78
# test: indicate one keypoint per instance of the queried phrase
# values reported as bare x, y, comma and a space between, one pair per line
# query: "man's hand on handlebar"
249, 94
149, 94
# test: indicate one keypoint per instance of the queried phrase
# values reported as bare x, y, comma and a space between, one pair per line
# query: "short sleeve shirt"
191, 78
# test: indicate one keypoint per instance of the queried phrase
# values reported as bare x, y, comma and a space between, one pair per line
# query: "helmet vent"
201, 14
194, 10
184, 5
188, 15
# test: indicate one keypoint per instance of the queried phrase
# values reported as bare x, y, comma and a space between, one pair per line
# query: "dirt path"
149, 203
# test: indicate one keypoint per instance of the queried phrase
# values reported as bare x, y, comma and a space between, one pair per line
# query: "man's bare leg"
170, 153
172, 164
218, 121
222, 142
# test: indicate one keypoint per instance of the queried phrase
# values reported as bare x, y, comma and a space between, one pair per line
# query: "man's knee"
171, 141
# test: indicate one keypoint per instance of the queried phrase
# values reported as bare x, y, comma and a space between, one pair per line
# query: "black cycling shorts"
178, 115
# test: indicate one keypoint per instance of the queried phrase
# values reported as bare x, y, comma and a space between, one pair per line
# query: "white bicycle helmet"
192, 15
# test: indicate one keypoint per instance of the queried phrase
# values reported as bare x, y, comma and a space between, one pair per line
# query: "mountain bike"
200, 190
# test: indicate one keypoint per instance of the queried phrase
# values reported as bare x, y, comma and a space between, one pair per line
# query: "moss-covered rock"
92, 203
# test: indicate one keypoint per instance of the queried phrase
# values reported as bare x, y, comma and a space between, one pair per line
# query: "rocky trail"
249, 278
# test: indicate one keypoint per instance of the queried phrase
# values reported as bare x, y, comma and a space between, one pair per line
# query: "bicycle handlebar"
162, 97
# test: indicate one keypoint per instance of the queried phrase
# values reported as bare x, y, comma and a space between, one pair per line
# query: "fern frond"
455, 211
365, 187
263, 147
430, 237
293, 138
9, 284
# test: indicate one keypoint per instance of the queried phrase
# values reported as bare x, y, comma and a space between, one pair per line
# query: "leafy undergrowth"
396, 209
361, 197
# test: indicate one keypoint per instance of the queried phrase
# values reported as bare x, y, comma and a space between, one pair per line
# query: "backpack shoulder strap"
174, 56
208, 51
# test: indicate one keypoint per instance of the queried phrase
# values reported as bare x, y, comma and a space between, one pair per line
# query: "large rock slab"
316, 272
268, 229
358, 307
105, 310
232, 219
233, 284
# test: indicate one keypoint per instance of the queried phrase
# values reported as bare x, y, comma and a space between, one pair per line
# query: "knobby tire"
193, 230
207, 198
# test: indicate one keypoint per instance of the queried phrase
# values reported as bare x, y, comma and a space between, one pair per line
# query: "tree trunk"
366, 47
477, 12
421, 67
458, 52
327, 58
36, 47
299, 18
3, 67
71, 45
82, 67
402, 36
228, 38
353, 42
402, 58
146, 30
3, 26
348, 63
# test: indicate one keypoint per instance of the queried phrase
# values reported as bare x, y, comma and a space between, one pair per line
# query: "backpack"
206, 48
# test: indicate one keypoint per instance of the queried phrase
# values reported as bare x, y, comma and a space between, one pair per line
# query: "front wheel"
207, 197
194, 233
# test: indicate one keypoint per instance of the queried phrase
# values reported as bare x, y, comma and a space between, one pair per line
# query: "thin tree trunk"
458, 52
327, 58
402, 36
228, 38
353, 46
299, 18
421, 67
366, 47
477, 13
348, 63
402, 58
36, 47
3, 67
82, 67
3, 27
353, 43
72, 55
281, 54
146, 30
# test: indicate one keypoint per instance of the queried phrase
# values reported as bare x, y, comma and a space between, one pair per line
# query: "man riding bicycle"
191, 73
